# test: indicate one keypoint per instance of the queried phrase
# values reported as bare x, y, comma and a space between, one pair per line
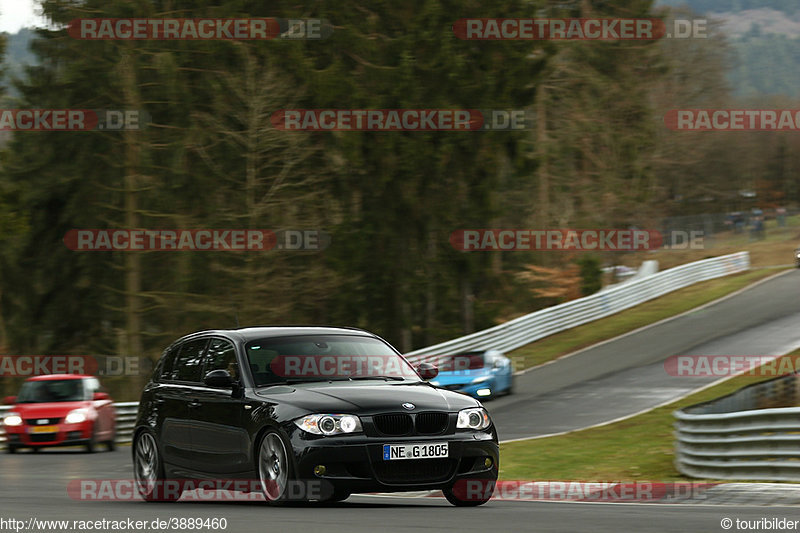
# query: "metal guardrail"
126, 417
540, 324
752, 434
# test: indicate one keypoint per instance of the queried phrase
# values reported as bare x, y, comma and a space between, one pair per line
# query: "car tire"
274, 467
456, 499
111, 445
92, 443
148, 471
11, 449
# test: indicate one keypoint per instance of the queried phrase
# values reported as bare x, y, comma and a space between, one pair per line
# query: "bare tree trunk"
430, 291
133, 260
542, 217
467, 304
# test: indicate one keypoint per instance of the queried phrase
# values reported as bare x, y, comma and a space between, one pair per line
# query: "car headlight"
12, 419
76, 417
480, 379
473, 418
324, 424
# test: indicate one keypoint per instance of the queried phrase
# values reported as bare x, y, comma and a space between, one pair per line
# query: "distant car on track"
488, 374
290, 406
60, 410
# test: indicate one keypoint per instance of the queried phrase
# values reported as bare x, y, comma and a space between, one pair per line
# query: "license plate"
43, 429
393, 452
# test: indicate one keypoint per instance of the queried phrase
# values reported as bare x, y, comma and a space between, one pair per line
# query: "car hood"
367, 398
48, 410
461, 376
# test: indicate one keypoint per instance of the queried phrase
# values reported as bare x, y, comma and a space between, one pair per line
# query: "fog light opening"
484, 392
320, 470
487, 462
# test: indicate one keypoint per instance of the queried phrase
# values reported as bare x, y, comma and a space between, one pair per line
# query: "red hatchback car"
60, 410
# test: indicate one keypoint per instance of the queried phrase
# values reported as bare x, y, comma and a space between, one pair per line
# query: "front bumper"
65, 435
354, 463
471, 389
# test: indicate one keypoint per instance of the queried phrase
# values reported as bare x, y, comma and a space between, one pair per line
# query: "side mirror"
218, 378
427, 371
10, 400
99, 396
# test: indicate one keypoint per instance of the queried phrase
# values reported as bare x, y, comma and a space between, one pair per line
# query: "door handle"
194, 404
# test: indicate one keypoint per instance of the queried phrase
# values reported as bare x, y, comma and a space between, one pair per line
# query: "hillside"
765, 42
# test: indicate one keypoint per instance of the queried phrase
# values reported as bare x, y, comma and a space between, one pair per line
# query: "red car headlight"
77, 416
12, 419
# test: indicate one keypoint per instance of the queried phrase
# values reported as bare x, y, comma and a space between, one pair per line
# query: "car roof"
260, 332
49, 377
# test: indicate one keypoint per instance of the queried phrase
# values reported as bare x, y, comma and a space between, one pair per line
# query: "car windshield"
53, 390
460, 362
325, 357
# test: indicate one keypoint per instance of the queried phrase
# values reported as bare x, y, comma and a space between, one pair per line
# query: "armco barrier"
752, 434
126, 417
544, 322
537, 325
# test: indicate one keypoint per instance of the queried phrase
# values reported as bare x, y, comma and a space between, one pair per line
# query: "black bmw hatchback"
337, 409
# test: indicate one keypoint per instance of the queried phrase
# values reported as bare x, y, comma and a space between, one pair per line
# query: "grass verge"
637, 448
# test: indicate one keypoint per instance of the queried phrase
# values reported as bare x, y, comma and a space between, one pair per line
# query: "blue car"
488, 374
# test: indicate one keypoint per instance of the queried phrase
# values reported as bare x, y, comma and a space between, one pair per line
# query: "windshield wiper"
393, 378
311, 380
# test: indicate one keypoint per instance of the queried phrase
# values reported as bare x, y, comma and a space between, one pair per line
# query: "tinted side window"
189, 363
222, 356
165, 366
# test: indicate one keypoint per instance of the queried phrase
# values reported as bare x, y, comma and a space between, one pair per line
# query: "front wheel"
90, 445
274, 468
11, 448
463, 494
148, 470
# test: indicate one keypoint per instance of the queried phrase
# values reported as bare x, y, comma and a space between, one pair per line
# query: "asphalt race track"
35, 486
627, 375
611, 380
